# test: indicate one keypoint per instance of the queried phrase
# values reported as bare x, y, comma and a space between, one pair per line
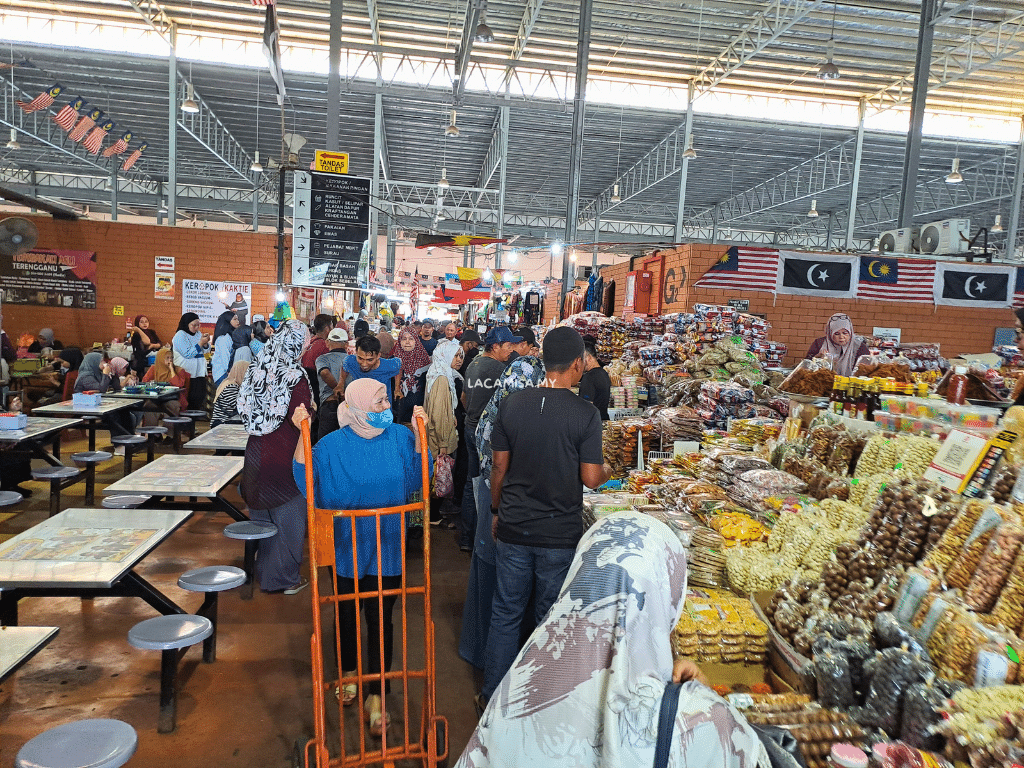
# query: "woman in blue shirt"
367, 463
190, 347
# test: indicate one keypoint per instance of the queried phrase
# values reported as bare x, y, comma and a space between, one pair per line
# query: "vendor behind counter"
840, 344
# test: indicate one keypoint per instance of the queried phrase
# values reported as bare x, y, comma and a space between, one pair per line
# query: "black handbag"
666, 723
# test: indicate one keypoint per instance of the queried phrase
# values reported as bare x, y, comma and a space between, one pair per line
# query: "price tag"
928, 509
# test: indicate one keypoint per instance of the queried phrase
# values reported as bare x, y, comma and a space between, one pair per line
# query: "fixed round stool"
131, 444
96, 743
152, 435
250, 532
177, 425
211, 580
9, 498
124, 501
58, 478
196, 415
90, 459
172, 636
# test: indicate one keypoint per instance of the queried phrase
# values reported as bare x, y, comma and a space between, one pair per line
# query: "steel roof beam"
204, 126
465, 48
530, 15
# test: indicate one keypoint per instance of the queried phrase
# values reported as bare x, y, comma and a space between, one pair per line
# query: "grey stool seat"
90, 459
131, 444
200, 415
250, 532
58, 478
124, 501
212, 580
97, 743
179, 424
172, 636
152, 434
7, 498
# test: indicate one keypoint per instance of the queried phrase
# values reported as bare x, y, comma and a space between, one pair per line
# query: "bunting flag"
118, 146
94, 140
89, 118
817, 274
1018, 289
43, 100
414, 295
66, 117
261, 3
744, 269
470, 277
272, 50
962, 284
134, 156
909, 280
23, 64
427, 240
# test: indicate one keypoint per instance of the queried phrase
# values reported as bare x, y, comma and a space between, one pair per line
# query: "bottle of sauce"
956, 387
853, 395
835, 400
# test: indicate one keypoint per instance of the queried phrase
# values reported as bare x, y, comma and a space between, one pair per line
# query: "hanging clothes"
588, 303
598, 294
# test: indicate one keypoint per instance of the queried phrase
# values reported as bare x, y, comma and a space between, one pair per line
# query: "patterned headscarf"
523, 372
585, 690
441, 366
119, 366
266, 392
413, 363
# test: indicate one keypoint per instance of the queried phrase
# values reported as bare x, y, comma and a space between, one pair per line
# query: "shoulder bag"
666, 723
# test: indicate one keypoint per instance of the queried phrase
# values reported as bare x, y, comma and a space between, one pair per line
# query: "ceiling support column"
172, 127
334, 79
912, 154
597, 239
576, 146
851, 219
378, 141
503, 115
1013, 225
256, 209
113, 192
684, 167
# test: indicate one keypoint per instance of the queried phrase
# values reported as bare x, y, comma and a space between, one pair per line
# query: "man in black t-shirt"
546, 446
595, 386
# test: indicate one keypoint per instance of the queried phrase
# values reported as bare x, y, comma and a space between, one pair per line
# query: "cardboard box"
13, 421
792, 667
86, 399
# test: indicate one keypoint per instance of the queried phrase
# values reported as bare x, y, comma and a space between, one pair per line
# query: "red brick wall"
125, 274
799, 320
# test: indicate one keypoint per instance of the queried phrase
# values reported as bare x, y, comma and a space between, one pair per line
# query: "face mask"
380, 420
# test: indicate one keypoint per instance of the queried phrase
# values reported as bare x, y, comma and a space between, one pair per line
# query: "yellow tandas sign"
331, 162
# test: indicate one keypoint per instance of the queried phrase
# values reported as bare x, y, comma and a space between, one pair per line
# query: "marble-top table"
179, 475
224, 437
158, 400
37, 434
85, 553
107, 407
19, 644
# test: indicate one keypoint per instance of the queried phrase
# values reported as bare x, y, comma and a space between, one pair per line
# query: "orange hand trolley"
427, 742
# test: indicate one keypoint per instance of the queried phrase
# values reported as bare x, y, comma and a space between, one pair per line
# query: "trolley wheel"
299, 753
441, 729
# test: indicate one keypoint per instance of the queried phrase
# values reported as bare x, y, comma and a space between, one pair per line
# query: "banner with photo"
50, 278
962, 284
208, 298
818, 274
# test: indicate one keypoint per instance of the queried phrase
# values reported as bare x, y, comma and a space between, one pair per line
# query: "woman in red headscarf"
415, 362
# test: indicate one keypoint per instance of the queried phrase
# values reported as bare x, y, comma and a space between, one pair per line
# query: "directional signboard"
330, 230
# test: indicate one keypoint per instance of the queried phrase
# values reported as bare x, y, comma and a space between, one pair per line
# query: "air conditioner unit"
946, 236
897, 240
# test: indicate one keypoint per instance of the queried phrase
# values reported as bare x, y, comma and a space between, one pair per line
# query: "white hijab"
441, 365
586, 689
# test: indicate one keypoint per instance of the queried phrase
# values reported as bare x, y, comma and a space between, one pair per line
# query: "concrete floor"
247, 709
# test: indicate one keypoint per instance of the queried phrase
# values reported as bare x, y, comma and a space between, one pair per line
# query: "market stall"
856, 544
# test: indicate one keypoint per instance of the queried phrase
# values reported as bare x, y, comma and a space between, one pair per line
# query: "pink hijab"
359, 397
119, 365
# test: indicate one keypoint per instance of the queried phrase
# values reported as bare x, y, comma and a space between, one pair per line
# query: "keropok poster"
208, 298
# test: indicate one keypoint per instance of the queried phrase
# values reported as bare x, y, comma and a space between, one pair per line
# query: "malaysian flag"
66, 117
130, 160
118, 146
1018, 289
414, 295
261, 3
94, 140
909, 280
87, 121
743, 268
43, 100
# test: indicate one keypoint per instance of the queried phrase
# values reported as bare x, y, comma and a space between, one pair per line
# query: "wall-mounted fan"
17, 235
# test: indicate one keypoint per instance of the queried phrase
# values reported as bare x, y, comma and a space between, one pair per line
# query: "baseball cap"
501, 334
338, 334
427, 321
528, 335
256, 318
470, 335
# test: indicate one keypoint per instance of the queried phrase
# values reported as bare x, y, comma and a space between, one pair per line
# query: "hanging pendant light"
443, 181
256, 166
484, 34
998, 225
189, 105
813, 213
452, 129
689, 153
828, 70
955, 177
615, 198
13, 143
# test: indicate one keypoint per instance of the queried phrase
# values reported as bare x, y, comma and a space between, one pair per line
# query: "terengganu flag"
817, 274
272, 50
43, 100
961, 284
